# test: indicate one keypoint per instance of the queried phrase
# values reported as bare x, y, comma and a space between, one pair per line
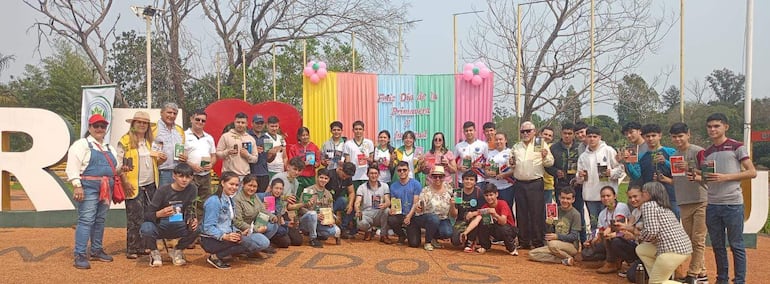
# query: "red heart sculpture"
222, 112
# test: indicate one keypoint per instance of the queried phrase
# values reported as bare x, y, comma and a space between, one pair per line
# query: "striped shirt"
663, 229
727, 159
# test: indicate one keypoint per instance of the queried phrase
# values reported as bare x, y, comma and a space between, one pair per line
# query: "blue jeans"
729, 218
165, 177
594, 207
309, 223
91, 215
252, 243
434, 229
151, 231
339, 205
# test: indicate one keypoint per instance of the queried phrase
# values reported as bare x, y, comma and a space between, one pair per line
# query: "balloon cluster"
475, 72
315, 71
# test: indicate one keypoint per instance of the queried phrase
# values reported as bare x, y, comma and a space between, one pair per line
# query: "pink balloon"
467, 75
484, 72
480, 65
467, 66
476, 80
322, 65
308, 71
315, 79
321, 72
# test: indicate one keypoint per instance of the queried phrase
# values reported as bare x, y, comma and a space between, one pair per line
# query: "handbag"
118, 194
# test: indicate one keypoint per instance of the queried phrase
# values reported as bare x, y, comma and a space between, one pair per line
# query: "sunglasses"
437, 176
402, 170
524, 131
99, 126
438, 139
200, 120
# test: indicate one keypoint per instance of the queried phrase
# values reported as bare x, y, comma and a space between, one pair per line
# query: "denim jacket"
216, 217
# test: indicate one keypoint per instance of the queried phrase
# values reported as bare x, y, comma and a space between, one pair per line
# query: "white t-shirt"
374, 196
199, 148
276, 165
499, 158
382, 157
472, 151
358, 156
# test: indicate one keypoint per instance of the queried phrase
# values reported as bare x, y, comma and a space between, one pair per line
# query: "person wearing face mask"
308, 152
236, 148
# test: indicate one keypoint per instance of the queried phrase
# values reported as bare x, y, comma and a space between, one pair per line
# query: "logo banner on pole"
97, 99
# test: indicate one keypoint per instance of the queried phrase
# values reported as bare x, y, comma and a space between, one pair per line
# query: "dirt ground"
45, 256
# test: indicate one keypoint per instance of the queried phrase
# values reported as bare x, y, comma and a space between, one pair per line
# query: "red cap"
97, 118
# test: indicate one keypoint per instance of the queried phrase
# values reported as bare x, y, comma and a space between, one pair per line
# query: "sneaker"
702, 279
217, 263
568, 261
468, 249
100, 256
337, 241
81, 262
316, 243
401, 240
385, 240
622, 274
499, 243
436, 244
270, 250
132, 255
177, 257
515, 252
155, 260
608, 268
428, 247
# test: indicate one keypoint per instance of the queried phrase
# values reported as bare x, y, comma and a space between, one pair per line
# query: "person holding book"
435, 206
236, 148
470, 153
341, 185
408, 153
252, 216
220, 237
597, 168
360, 152
726, 164
494, 219
275, 145
332, 148
549, 183
498, 172
372, 203
655, 164
259, 169
90, 163
283, 207
141, 157
624, 245
562, 244
664, 244
170, 138
171, 215
580, 137
636, 148
440, 155
468, 199
691, 196
490, 129
383, 155
202, 157
290, 178
316, 216
565, 156
404, 195
531, 156
307, 151
607, 232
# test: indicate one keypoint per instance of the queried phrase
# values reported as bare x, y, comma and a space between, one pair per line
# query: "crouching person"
220, 237
494, 219
170, 215
252, 216
372, 203
312, 220
563, 243
468, 202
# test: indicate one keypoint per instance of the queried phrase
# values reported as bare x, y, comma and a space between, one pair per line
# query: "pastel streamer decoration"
476, 72
315, 71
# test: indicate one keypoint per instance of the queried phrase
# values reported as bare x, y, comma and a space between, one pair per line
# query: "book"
310, 157
675, 169
376, 200
205, 161
362, 161
467, 162
458, 195
494, 169
430, 161
571, 167
708, 167
337, 156
419, 150
270, 203
261, 220
328, 215
156, 148
177, 216
178, 151
602, 170
633, 152
395, 206
267, 144
247, 146
538, 145
551, 211
486, 218
382, 164
307, 194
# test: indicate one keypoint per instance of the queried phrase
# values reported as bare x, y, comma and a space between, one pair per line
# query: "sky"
714, 39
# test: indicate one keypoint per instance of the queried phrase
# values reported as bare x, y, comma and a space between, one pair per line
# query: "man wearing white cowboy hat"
172, 136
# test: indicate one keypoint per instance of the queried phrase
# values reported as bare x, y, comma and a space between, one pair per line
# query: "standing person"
276, 155
259, 169
359, 151
655, 164
561, 245
580, 135
435, 206
203, 155
664, 245
220, 238
724, 214
408, 153
169, 215
528, 190
372, 203
565, 157
440, 155
407, 191
308, 152
470, 152
490, 129
597, 168
470, 201
140, 177
311, 221
382, 155
692, 197
332, 148
548, 180
341, 185
633, 133
496, 173
236, 148
91, 162
167, 134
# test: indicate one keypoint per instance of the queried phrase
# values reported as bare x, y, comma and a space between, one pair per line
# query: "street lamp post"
147, 13
519, 54
400, 42
454, 35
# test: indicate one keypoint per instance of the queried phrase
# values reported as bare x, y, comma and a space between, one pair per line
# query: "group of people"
271, 193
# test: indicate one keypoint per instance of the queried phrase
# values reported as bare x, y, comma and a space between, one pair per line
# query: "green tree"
569, 106
728, 86
636, 100
5, 60
670, 98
